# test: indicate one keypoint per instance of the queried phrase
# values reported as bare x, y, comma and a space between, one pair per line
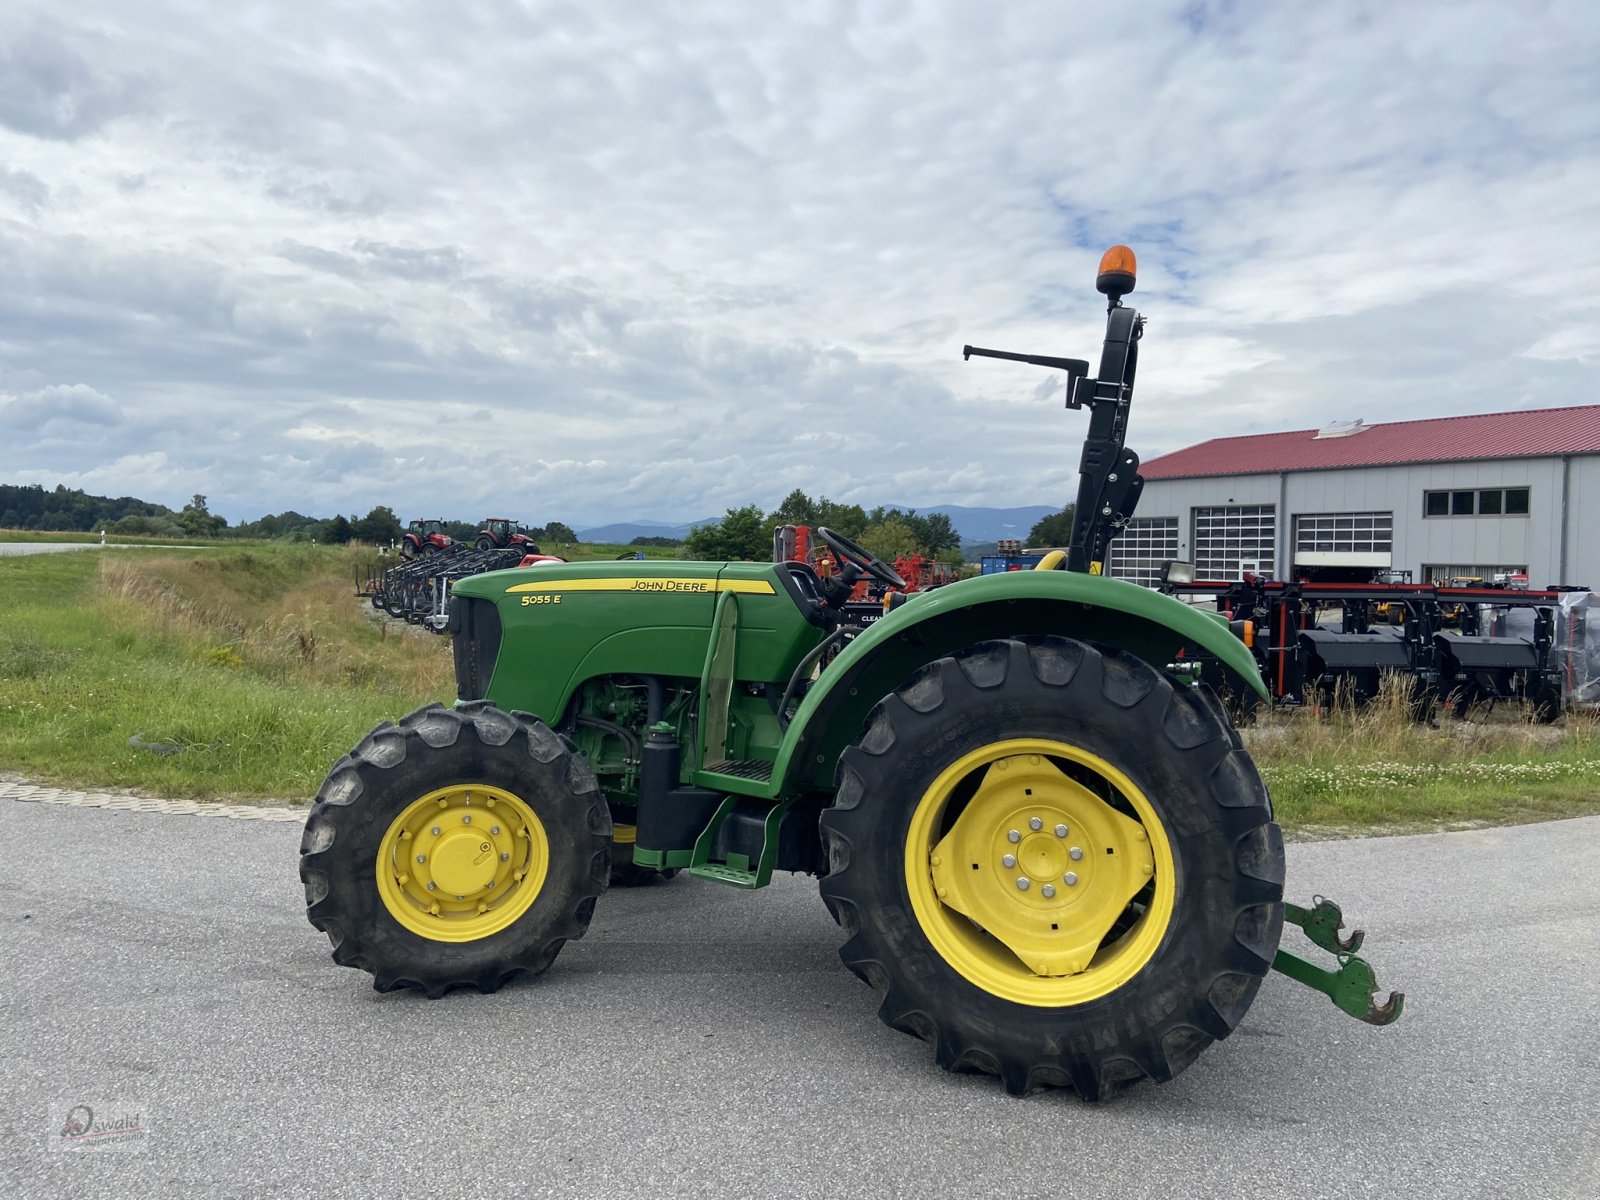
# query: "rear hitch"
1353, 985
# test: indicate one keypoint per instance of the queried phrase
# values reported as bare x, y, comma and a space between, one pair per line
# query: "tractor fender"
930, 625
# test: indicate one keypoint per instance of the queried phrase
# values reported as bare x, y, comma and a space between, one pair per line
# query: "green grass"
259, 661
1379, 771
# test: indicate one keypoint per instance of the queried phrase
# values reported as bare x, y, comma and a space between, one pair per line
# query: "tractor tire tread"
885, 947
348, 818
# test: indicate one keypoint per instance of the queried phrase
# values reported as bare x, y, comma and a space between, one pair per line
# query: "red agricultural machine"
500, 533
425, 536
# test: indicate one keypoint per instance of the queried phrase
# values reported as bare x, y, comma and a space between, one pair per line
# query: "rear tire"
1151, 784
538, 811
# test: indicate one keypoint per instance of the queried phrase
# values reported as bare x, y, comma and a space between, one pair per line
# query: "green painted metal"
580, 621
738, 871
716, 683
1322, 923
1352, 986
948, 619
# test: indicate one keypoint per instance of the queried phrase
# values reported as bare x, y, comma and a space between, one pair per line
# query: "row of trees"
746, 533
31, 506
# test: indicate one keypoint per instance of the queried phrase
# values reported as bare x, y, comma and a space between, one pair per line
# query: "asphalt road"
704, 1042
13, 549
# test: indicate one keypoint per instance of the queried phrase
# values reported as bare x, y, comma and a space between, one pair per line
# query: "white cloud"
610, 260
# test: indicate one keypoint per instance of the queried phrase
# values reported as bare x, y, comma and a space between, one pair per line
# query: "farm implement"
419, 591
1462, 646
1050, 854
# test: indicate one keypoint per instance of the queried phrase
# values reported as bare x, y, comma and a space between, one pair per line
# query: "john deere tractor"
1047, 848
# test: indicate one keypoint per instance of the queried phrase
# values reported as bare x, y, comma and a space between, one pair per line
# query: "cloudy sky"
629, 258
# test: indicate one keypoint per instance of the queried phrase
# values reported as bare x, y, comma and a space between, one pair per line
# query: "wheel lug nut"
504, 857
1009, 861
435, 831
422, 858
1070, 879
1035, 824
432, 885
494, 829
1048, 890
1061, 831
467, 819
1013, 836
1075, 854
1023, 883
489, 884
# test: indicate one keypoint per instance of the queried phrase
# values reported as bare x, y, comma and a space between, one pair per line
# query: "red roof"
1532, 433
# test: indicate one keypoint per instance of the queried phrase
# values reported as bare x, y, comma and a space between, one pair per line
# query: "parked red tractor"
424, 537
500, 532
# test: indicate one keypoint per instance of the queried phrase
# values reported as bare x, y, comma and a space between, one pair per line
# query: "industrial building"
1497, 494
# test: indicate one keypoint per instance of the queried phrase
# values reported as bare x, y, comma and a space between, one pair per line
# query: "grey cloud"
635, 265
49, 90
27, 189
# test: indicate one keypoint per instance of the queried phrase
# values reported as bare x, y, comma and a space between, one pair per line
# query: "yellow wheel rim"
1030, 884
462, 863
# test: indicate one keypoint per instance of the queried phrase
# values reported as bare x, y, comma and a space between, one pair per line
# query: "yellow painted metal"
624, 835
484, 851
1012, 939
650, 584
1051, 561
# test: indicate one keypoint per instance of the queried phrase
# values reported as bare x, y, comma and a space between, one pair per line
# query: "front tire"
461, 848
1055, 866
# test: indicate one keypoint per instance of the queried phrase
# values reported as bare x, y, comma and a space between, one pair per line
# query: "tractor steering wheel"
847, 551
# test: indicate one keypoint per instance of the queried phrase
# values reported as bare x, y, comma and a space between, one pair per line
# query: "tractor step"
1353, 986
743, 776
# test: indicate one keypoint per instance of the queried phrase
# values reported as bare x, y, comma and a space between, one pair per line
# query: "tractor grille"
475, 640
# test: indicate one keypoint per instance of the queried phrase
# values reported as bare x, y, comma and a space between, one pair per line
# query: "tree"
934, 533
741, 534
797, 509
1054, 530
559, 533
848, 519
197, 521
378, 528
337, 531
889, 538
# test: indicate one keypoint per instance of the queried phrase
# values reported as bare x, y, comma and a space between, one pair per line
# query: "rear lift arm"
1353, 985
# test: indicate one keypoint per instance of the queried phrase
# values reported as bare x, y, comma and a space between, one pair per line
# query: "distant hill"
623, 532
989, 524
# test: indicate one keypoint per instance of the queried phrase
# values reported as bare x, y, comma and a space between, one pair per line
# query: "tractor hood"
558, 624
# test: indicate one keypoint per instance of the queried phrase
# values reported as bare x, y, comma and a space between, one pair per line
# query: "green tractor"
1047, 848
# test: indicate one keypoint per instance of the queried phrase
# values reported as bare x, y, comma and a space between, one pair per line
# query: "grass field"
259, 664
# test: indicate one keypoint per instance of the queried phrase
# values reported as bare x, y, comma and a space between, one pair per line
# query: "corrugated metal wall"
1533, 540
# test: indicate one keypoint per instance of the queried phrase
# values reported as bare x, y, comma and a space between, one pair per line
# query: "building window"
1479, 502
1470, 574
1343, 533
1229, 540
1145, 545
